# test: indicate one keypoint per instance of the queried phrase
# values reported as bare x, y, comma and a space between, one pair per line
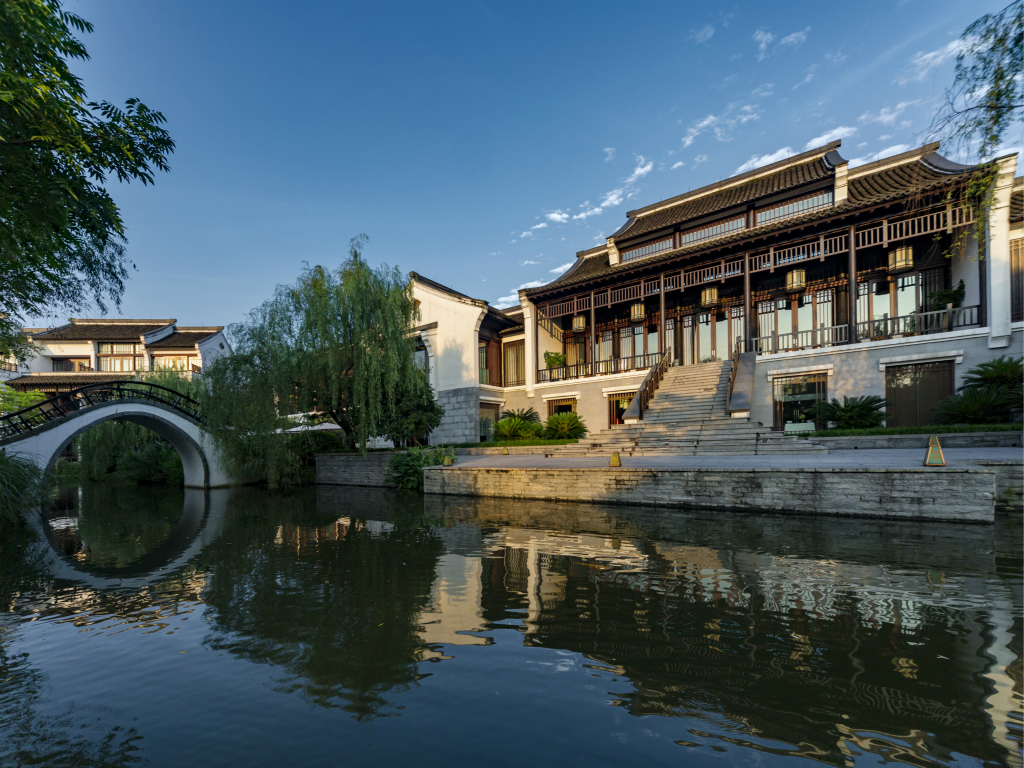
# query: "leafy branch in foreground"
62, 239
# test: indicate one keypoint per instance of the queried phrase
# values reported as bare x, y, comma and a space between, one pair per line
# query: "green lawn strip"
936, 430
513, 443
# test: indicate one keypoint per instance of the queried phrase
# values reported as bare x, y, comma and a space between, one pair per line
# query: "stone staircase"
689, 416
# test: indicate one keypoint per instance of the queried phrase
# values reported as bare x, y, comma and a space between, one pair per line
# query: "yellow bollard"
615, 460
447, 461
504, 451
934, 457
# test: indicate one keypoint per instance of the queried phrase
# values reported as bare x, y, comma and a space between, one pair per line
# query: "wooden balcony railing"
599, 368
940, 321
828, 336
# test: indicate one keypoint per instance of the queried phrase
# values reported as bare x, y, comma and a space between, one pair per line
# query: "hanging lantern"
901, 258
637, 311
796, 279
709, 297
579, 323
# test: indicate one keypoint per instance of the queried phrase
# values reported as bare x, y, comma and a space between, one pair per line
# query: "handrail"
600, 368
732, 370
826, 336
24, 421
639, 403
546, 323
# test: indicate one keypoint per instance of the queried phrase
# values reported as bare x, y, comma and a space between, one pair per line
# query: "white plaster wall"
210, 349
454, 358
592, 404
41, 362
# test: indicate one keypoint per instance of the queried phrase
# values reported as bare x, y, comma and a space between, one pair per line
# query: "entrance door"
617, 405
914, 392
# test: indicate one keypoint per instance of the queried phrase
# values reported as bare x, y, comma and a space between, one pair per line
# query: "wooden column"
747, 322
852, 269
595, 349
662, 345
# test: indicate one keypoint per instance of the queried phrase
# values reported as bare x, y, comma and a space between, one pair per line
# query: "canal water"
344, 626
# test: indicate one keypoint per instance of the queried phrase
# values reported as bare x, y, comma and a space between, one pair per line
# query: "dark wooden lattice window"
1017, 280
915, 391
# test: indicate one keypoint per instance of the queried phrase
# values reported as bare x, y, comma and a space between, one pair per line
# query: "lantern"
579, 323
901, 258
796, 279
637, 311
709, 297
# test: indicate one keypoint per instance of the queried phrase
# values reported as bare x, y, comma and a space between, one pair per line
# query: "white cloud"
558, 217
765, 89
922, 63
887, 152
886, 115
507, 301
835, 58
527, 261
808, 77
542, 225
764, 39
722, 124
699, 159
885, 137
703, 35
643, 167
842, 132
527, 233
796, 38
609, 153
680, 164
561, 269
757, 162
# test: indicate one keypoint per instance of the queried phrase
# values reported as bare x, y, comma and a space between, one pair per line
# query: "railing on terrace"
918, 324
599, 368
827, 336
67, 403
545, 322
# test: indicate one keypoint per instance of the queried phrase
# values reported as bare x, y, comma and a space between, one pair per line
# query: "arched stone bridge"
43, 431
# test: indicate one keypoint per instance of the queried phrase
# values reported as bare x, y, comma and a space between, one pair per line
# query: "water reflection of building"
838, 655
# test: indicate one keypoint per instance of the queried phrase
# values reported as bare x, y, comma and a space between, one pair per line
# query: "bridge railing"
24, 421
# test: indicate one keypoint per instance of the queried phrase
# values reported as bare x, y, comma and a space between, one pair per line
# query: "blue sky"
480, 144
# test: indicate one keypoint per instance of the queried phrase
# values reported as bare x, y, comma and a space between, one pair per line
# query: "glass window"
794, 207
794, 395
562, 405
670, 339
118, 364
617, 405
784, 316
1016, 280
652, 340
688, 346
704, 348
906, 295
515, 363
722, 335
914, 391
716, 229
488, 415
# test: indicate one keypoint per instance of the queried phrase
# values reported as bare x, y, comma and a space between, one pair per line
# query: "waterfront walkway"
835, 459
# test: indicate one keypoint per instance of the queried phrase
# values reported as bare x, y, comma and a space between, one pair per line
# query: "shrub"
19, 485
509, 429
405, 470
976, 406
523, 414
954, 296
554, 359
853, 413
564, 426
1002, 373
532, 430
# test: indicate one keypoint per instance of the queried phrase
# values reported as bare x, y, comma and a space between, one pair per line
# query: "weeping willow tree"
334, 344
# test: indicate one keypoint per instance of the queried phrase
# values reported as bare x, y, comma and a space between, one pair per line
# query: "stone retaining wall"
937, 494
352, 468
951, 440
513, 450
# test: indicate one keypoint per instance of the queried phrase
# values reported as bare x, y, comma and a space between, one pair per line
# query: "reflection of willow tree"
335, 605
117, 525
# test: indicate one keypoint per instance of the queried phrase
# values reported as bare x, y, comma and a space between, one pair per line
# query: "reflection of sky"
607, 644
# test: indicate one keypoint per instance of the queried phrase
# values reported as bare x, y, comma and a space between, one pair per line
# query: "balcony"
599, 368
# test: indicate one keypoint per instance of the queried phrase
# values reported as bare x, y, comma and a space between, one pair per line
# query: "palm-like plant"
980, 405
509, 429
1001, 373
862, 412
564, 426
523, 414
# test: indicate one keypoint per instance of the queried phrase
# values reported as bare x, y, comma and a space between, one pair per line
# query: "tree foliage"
12, 400
415, 414
62, 239
335, 344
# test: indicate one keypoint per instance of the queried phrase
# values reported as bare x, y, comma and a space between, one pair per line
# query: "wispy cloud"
513, 297
558, 217
680, 164
616, 196
795, 38
703, 34
886, 115
542, 225
609, 154
763, 38
808, 76
756, 161
527, 233
527, 262
643, 167
842, 132
922, 63
887, 152
561, 269
835, 58
722, 124
699, 159
763, 90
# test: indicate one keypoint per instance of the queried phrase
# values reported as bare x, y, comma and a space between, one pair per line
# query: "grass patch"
935, 430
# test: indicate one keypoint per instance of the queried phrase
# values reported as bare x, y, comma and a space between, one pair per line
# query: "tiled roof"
705, 201
922, 174
37, 380
99, 331
182, 339
1017, 200
438, 287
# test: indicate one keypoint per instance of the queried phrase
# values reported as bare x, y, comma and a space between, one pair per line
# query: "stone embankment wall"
935, 494
955, 440
352, 468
